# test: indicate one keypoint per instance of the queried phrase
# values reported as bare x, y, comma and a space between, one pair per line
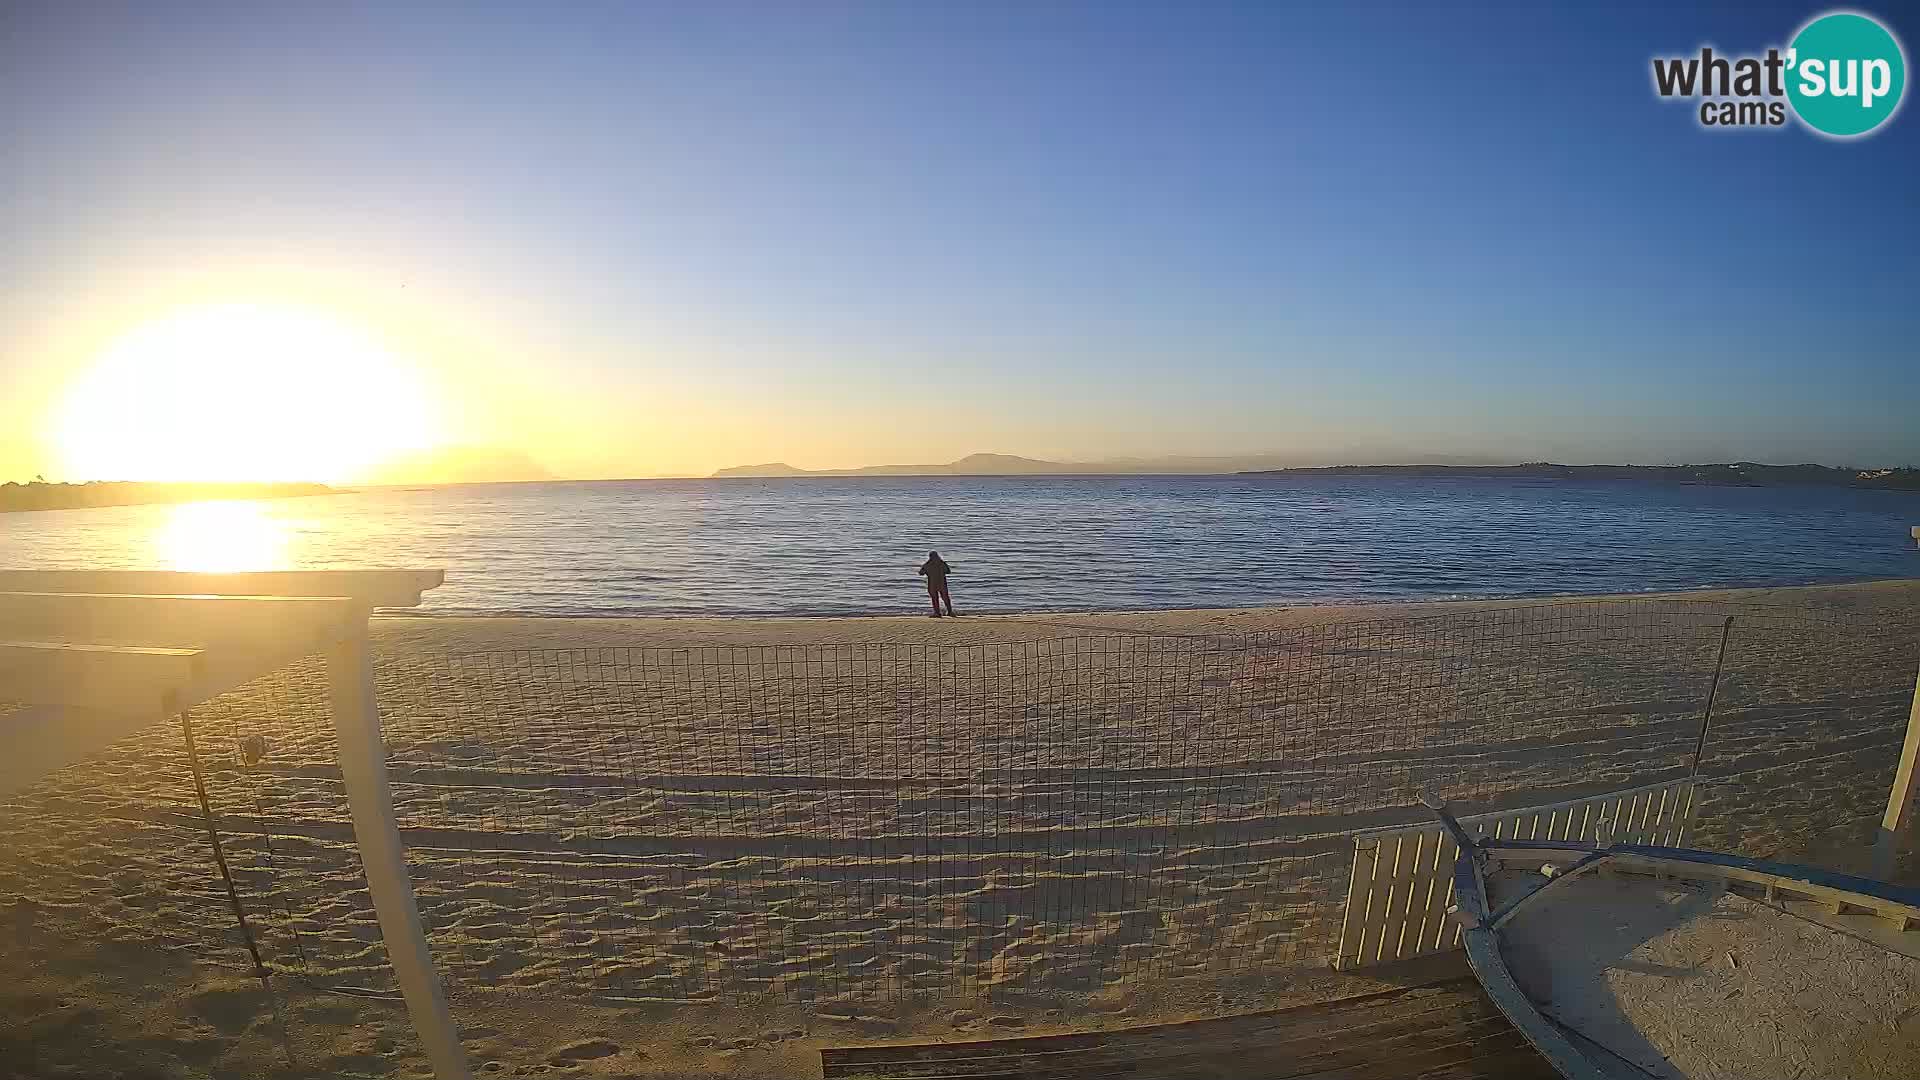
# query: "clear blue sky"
896, 231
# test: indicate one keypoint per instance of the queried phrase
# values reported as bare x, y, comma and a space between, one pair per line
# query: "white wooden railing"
1402, 878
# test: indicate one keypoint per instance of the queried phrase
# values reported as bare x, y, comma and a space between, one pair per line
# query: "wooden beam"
239, 638
363, 770
175, 621
108, 678
373, 588
1897, 822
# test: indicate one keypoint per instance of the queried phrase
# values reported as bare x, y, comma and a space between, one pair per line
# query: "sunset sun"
243, 392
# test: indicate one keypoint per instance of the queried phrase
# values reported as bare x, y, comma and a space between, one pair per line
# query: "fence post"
1899, 815
363, 766
1713, 693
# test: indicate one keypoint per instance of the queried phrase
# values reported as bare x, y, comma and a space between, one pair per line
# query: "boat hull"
1631, 960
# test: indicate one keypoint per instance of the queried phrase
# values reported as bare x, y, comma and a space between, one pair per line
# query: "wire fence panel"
117, 848
1064, 815
1059, 816
1806, 736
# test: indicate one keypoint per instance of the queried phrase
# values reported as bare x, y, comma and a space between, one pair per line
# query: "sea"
851, 545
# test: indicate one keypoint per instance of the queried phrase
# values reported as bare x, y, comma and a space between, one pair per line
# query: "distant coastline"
1731, 474
43, 496
1725, 474
971, 465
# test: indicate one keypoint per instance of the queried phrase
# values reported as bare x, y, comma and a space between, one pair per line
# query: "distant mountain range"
1010, 465
1731, 474
461, 465
971, 465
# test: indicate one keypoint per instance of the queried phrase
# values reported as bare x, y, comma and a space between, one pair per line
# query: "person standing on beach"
935, 570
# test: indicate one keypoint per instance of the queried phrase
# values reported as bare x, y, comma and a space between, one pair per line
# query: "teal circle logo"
1846, 74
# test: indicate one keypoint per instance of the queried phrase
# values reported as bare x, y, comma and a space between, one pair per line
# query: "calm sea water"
850, 546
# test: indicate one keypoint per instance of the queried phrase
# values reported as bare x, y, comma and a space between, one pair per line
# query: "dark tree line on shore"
1731, 474
40, 495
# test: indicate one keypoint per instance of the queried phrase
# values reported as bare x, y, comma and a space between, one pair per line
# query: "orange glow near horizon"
243, 392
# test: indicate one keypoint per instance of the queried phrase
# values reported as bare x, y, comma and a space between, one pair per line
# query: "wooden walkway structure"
95, 656
1440, 1030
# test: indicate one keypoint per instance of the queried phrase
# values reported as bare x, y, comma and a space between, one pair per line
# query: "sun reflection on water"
222, 537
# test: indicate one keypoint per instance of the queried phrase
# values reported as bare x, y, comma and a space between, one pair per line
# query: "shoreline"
414, 631
1793, 588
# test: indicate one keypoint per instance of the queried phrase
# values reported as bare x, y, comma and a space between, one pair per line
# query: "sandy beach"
664, 847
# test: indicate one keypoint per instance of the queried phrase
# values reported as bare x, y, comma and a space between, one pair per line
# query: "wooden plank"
1657, 819
1445, 932
1451, 998
1582, 828
1629, 819
1694, 797
111, 678
1342, 1040
1353, 921
174, 621
1430, 1025
1676, 832
1678, 835
363, 772
1399, 893
373, 588
1613, 820
1389, 1052
1435, 874
1419, 896
1378, 900
1637, 808
1465, 1050
1897, 822
138, 639
1845, 898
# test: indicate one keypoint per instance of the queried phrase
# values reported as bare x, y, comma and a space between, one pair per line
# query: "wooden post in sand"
363, 766
1899, 817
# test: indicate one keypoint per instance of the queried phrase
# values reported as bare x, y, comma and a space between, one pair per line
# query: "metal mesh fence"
1063, 815
116, 849
886, 821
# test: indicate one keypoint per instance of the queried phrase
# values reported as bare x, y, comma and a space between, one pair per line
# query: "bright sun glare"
243, 392
223, 537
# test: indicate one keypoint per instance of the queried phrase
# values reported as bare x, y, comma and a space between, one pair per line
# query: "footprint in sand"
584, 1050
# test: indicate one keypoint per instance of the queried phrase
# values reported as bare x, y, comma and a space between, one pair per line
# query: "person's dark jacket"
935, 571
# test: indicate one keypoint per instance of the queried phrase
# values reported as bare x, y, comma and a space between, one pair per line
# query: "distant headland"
1729, 474
971, 465
43, 496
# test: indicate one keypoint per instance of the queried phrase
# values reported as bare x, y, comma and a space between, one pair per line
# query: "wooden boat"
1635, 961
